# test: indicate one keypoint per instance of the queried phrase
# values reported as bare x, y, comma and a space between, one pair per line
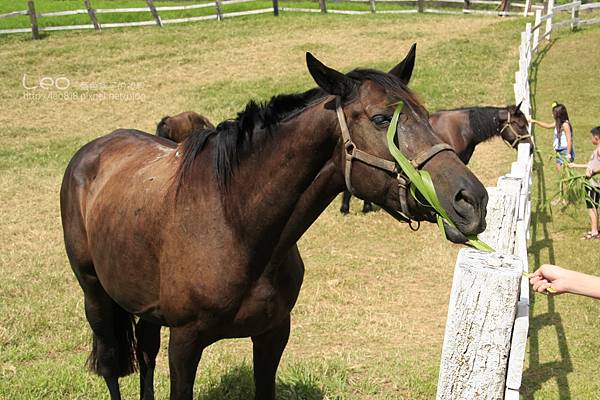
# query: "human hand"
589, 172
569, 157
551, 276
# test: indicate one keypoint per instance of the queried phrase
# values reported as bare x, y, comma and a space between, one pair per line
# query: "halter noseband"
518, 137
351, 152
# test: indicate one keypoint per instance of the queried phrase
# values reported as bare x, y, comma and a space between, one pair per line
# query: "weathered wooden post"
527, 8
549, 20
372, 6
481, 314
154, 12
420, 5
323, 6
276, 8
504, 7
536, 31
521, 170
575, 16
92, 13
33, 18
218, 9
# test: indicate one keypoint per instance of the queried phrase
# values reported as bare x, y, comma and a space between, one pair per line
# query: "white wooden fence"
217, 5
486, 330
488, 314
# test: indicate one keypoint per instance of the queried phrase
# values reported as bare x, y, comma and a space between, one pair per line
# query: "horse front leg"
345, 208
185, 351
148, 344
267, 351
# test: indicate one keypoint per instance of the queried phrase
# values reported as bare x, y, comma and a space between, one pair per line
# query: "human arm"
563, 280
589, 172
573, 165
542, 123
567, 128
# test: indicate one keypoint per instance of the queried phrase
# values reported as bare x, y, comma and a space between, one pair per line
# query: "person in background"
593, 192
563, 134
564, 280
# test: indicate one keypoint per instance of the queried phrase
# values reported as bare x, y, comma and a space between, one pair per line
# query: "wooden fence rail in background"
220, 15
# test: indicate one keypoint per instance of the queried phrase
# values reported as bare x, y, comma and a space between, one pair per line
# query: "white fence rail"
481, 357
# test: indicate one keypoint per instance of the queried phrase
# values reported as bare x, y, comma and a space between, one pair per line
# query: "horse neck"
270, 182
485, 123
313, 201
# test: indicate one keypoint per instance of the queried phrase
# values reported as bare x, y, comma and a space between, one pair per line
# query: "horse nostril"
464, 204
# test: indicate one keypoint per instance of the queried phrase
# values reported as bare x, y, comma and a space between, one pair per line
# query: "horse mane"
485, 122
393, 88
252, 127
258, 122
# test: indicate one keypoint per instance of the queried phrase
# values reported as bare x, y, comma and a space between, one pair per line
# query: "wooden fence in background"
488, 315
217, 5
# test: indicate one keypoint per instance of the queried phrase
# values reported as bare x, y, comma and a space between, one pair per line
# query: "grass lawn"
370, 318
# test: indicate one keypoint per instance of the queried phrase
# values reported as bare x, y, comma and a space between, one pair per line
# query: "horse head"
365, 101
515, 130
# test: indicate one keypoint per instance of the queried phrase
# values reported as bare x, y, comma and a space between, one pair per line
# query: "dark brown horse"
193, 236
181, 125
465, 128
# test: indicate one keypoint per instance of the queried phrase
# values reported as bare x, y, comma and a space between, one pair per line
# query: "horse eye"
381, 120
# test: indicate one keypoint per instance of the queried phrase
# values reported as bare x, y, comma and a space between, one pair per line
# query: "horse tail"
162, 129
123, 360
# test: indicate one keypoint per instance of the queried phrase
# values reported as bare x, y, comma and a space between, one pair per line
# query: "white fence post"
575, 15
549, 20
536, 32
480, 321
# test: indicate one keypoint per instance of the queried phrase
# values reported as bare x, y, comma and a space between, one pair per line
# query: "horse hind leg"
113, 347
148, 344
267, 350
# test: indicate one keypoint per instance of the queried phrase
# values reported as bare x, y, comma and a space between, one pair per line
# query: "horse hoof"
344, 210
367, 208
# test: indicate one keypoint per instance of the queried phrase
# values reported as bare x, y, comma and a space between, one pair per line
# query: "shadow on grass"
541, 242
238, 384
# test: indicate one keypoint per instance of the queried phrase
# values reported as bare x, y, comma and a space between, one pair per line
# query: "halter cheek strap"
518, 137
351, 153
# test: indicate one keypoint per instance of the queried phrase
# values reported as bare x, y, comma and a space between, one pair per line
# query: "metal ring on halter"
412, 228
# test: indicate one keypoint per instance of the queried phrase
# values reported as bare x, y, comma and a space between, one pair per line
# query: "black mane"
257, 122
252, 126
484, 121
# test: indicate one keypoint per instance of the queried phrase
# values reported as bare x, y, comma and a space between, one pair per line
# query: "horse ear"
404, 70
518, 107
328, 79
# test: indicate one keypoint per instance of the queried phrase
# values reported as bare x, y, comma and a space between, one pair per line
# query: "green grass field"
370, 318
